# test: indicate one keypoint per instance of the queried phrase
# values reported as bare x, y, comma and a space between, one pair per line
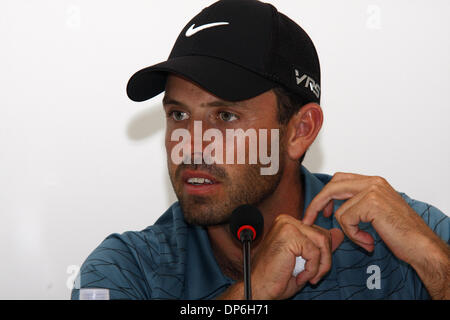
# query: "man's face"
211, 201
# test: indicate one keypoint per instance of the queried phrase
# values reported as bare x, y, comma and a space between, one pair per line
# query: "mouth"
199, 183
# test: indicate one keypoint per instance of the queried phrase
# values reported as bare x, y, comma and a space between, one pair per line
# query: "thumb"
337, 236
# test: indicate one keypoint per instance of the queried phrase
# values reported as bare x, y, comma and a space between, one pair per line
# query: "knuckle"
337, 175
373, 197
374, 188
281, 218
289, 230
323, 239
379, 180
315, 252
344, 218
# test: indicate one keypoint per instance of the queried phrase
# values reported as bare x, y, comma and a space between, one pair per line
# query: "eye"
227, 116
178, 115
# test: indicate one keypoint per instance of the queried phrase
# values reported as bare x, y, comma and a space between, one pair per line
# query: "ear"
303, 129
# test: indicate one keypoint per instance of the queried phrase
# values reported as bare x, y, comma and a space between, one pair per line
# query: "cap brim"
221, 78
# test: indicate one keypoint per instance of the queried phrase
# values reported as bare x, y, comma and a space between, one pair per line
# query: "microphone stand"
246, 239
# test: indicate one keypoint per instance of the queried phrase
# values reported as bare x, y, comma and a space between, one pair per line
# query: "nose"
196, 131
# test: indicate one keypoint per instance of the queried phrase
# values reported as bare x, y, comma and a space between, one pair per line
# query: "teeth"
199, 181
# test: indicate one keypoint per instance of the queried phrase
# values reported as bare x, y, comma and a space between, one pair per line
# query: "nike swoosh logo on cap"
193, 30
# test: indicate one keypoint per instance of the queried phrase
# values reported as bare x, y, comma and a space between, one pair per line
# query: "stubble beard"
248, 187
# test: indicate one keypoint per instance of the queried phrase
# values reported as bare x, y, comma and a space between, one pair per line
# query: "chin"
204, 212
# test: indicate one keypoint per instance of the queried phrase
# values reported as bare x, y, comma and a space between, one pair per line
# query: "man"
242, 65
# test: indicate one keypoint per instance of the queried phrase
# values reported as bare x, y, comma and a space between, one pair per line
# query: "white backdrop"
79, 160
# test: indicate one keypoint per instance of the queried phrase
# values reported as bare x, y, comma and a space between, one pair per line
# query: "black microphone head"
246, 217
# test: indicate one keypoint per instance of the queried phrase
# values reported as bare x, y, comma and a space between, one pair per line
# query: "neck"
288, 198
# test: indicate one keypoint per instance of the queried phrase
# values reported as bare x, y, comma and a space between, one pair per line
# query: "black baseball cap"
237, 49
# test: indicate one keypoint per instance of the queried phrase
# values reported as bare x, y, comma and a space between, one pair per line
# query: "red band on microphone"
246, 227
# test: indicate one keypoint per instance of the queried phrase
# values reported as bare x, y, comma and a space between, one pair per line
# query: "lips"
192, 174
198, 182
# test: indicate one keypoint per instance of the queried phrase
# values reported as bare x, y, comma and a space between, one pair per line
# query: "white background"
79, 160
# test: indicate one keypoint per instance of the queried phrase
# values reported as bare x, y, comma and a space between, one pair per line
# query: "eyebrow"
215, 103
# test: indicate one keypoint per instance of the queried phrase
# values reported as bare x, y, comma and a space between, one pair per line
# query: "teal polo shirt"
174, 260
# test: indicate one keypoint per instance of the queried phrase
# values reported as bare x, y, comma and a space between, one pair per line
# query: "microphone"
246, 225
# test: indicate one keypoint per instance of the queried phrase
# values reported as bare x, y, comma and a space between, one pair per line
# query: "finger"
339, 190
334, 238
351, 202
337, 237
312, 256
349, 216
322, 240
328, 211
325, 242
341, 176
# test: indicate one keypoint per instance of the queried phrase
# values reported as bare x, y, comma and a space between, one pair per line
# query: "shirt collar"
313, 184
